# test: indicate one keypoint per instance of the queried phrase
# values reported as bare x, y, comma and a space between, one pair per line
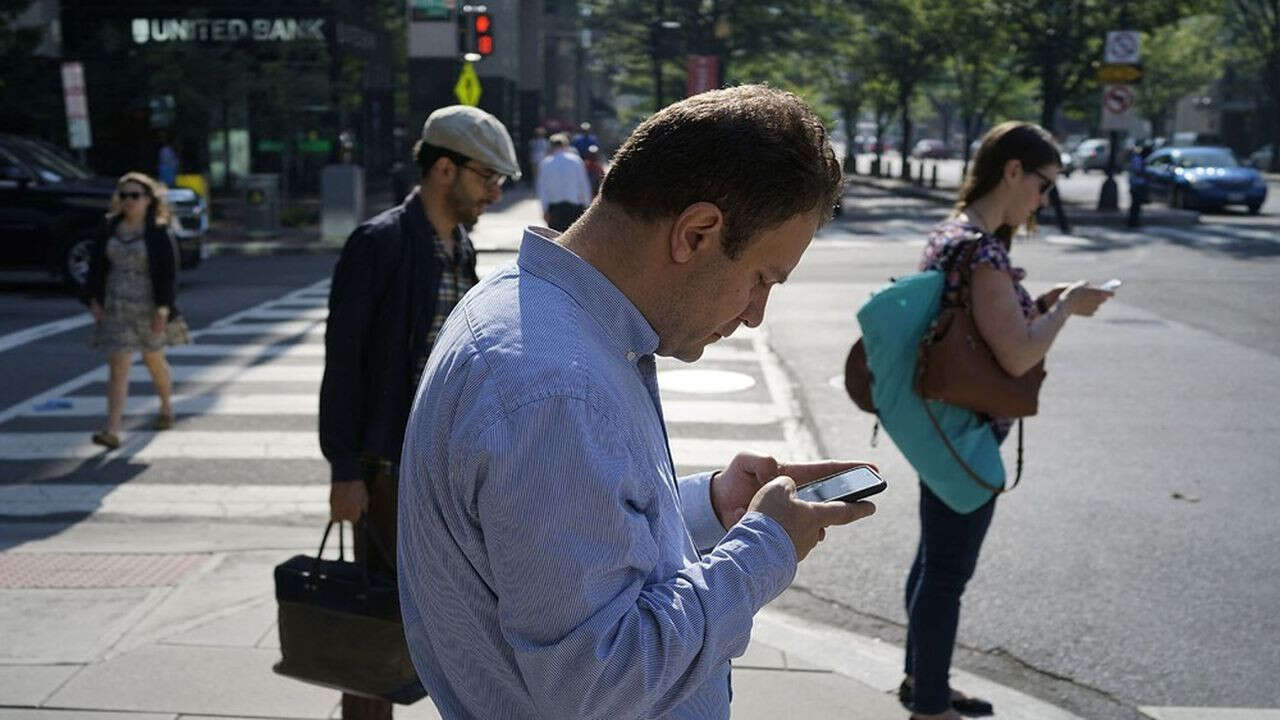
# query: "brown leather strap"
968, 470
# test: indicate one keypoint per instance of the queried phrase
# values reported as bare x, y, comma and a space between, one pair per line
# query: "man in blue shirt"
551, 563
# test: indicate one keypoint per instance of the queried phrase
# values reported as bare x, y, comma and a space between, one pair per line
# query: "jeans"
945, 560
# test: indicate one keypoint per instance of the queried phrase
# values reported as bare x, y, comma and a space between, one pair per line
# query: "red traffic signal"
482, 24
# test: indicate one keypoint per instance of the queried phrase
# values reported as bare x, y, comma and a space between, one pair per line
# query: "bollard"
933, 181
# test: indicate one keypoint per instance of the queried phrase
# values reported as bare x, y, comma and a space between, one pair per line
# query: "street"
1133, 569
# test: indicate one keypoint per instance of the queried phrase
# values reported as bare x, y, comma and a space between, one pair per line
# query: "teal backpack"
894, 321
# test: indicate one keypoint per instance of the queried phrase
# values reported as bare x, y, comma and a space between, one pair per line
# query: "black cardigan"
381, 302
161, 264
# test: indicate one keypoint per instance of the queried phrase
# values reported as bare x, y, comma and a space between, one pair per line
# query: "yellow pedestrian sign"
468, 87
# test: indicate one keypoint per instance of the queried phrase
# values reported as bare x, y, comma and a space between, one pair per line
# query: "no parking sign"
1117, 102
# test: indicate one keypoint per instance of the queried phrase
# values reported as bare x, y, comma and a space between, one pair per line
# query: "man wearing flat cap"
399, 276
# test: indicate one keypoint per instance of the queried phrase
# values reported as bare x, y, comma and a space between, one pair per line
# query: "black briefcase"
340, 625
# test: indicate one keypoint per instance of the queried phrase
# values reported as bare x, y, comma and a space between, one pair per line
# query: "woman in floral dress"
130, 291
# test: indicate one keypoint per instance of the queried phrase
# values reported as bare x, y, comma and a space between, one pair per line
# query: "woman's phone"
849, 486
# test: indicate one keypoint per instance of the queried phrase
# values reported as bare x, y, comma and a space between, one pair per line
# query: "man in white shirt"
563, 186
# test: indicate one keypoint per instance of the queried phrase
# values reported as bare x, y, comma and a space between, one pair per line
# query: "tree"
642, 36
907, 37
1258, 23
1061, 43
30, 87
983, 83
1177, 59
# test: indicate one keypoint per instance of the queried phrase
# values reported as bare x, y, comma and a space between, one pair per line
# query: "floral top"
942, 252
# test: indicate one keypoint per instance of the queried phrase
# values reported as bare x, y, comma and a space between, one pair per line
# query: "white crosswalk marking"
264, 387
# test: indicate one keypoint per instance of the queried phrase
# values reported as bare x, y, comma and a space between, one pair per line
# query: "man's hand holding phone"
805, 522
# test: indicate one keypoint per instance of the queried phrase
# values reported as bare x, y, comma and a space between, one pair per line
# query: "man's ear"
698, 229
442, 169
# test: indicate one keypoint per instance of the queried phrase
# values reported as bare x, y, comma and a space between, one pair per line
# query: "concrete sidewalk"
166, 620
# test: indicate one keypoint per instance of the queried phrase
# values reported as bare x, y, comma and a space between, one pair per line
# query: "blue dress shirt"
549, 560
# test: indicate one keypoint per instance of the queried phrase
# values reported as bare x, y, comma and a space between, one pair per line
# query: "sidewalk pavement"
499, 229
1077, 214
162, 620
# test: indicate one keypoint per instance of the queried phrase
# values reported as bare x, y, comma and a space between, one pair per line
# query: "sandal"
968, 706
107, 440
164, 421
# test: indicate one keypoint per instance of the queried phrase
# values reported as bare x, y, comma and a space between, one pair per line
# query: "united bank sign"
158, 30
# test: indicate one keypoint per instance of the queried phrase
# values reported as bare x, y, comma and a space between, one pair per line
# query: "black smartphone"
849, 486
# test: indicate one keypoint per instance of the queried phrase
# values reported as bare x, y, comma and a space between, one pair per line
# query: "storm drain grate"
84, 570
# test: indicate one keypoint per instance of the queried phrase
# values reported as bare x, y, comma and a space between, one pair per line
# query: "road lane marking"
286, 445
31, 334
221, 403
1208, 713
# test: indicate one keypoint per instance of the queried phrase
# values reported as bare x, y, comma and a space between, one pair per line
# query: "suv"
51, 208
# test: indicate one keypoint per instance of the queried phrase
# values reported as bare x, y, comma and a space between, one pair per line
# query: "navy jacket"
162, 265
381, 302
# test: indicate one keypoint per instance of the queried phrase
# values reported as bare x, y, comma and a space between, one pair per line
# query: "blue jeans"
945, 560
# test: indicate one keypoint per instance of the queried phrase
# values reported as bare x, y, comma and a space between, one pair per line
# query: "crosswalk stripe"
167, 500
228, 403
273, 328
288, 314
227, 373
222, 403
1208, 713
288, 445
274, 351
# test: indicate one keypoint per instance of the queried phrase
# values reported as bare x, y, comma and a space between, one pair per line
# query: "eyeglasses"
131, 195
491, 178
1045, 183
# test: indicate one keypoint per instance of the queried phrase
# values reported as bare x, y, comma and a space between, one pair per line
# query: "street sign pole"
1121, 49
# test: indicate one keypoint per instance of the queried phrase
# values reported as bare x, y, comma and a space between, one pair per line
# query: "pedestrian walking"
595, 169
1011, 175
563, 186
552, 565
538, 147
1138, 183
584, 139
167, 164
130, 289
399, 276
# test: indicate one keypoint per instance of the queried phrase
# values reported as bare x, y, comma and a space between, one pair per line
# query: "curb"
1078, 215
878, 664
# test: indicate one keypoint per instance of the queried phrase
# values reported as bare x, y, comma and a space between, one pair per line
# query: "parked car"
51, 207
1093, 154
1068, 164
1261, 158
931, 148
1203, 177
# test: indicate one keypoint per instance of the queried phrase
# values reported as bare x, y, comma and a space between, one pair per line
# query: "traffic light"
482, 31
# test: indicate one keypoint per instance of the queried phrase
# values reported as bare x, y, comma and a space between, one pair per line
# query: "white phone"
1111, 285
848, 485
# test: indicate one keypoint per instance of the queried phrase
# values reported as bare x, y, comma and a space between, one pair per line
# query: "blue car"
1203, 178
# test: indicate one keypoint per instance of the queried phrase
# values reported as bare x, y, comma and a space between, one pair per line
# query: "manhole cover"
68, 570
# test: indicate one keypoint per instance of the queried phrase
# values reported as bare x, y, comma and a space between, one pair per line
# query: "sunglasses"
1045, 183
491, 178
131, 195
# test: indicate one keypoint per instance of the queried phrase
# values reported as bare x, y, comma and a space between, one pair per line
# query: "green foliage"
1179, 58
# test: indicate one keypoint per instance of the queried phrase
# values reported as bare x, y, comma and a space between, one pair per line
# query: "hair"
425, 156
1028, 143
758, 154
157, 212
559, 140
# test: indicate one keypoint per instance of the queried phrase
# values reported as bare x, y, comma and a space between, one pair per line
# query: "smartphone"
1111, 285
849, 486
